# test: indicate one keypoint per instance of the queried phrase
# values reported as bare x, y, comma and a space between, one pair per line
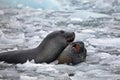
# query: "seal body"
74, 53
48, 51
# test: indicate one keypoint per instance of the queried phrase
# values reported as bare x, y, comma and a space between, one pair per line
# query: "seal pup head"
53, 44
74, 53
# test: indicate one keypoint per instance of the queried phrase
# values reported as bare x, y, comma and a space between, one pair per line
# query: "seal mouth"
77, 47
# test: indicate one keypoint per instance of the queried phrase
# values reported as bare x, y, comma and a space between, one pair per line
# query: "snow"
23, 28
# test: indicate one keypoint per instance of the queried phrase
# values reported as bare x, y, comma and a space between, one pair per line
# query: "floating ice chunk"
96, 74
15, 24
115, 66
79, 75
28, 66
29, 29
86, 15
33, 41
116, 16
83, 36
106, 42
103, 55
1, 76
97, 57
46, 70
15, 36
7, 46
43, 33
5, 65
1, 33
93, 59
9, 74
43, 69
65, 68
87, 67
88, 31
24, 77
91, 50
63, 77
108, 60
41, 77
99, 74
39, 68
76, 20
5, 40
103, 5
1, 12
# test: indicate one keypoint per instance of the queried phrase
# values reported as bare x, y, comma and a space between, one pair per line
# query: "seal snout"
71, 37
75, 53
77, 47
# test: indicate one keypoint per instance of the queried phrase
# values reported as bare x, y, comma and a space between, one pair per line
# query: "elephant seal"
74, 53
48, 51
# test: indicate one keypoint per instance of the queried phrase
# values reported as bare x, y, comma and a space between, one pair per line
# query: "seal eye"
62, 31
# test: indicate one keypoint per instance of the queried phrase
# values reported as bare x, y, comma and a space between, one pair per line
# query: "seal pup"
48, 51
74, 53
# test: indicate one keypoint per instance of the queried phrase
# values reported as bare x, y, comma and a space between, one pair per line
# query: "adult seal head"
48, 51
74, 53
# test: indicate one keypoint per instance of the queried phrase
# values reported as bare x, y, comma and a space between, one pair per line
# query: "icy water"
25, 28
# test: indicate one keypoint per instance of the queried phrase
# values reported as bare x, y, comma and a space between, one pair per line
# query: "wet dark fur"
48, 51
70, 55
